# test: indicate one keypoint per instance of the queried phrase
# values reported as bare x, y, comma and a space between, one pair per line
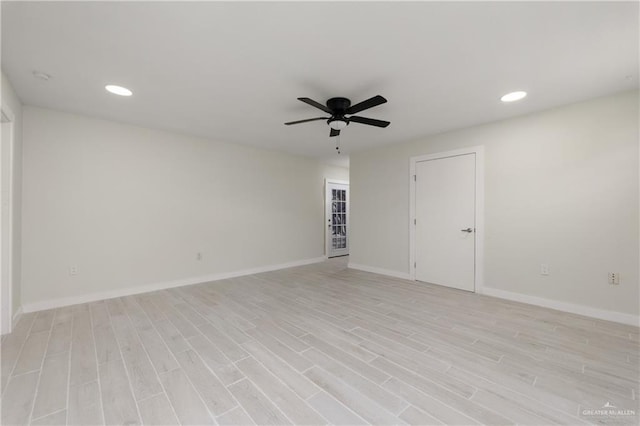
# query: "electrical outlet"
544, 269
73, 270
614, 278
198, 256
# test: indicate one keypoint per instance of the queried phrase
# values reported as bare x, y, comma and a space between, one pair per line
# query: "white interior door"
445, 221
337, 218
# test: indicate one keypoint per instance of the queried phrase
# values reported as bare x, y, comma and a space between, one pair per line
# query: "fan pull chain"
338, 143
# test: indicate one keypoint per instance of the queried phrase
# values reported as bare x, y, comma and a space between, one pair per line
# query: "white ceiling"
232, 71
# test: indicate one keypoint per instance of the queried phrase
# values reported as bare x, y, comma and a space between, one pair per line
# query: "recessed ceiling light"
513, 96
118, 90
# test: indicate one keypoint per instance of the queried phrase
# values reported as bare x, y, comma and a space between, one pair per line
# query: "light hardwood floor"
314, 345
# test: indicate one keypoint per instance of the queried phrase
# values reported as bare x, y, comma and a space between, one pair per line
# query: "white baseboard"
16, 317
74, 300
525, 298
488, 291
14, 320
387, 272
564, 306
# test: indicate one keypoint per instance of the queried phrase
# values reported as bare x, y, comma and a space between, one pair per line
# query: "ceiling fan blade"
369, 103
304, 121
315, 104
369, 121
334, 132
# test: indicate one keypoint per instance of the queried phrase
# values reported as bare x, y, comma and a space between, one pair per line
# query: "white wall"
562, 188
11, 101
132, 206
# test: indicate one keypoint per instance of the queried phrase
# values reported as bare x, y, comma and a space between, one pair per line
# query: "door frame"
327, 199
479, 209
6, 287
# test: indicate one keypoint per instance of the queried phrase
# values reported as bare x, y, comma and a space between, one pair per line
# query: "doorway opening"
6, 219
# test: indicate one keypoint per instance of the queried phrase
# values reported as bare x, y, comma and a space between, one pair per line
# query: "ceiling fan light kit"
337, 124
340, 108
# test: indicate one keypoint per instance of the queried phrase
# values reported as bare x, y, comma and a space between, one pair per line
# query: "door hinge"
414, 222
414, 264
415, 178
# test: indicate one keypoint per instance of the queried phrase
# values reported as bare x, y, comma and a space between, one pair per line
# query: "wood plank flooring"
319, 344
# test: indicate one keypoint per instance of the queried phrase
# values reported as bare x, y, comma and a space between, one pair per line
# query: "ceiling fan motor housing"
338, 106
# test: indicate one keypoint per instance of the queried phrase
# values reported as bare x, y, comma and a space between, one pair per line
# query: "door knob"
467, 230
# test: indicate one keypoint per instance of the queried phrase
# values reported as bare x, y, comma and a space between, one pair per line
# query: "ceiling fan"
339, 108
